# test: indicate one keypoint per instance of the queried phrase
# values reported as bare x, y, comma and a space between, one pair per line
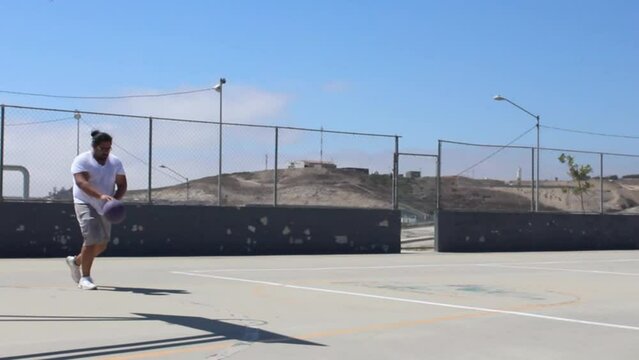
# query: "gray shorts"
94, 227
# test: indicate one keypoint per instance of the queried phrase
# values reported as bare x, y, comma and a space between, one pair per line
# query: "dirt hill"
309, 186
349, 188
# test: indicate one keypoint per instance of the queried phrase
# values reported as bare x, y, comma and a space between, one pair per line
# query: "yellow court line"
337, 332
158, 353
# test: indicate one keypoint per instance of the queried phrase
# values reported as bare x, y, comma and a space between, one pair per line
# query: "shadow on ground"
216, 330
144, 291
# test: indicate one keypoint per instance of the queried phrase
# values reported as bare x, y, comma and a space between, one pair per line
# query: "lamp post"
501, 98
218, 88
180, 175
77, 117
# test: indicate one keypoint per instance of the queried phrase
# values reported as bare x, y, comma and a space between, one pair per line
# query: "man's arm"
82, 180
120, 182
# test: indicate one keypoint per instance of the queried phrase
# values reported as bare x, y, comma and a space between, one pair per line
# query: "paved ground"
568, 305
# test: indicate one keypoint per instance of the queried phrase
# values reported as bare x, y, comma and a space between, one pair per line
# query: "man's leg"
86, 259
75, 269
87, 255
96, 232
85, 217
99, 248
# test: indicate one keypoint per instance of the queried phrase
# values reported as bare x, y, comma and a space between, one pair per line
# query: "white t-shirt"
101, 177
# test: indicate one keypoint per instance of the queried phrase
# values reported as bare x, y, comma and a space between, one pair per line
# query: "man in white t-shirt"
98, 177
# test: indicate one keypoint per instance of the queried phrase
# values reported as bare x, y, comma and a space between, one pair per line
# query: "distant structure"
519, 176
413, 174
301, 164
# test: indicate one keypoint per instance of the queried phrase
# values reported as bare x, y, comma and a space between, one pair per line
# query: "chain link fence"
178, 161
482, 177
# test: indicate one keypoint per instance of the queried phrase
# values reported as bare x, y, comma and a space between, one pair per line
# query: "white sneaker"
86, 283
75, 269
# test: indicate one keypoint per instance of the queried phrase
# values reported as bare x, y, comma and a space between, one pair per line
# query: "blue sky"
425, 70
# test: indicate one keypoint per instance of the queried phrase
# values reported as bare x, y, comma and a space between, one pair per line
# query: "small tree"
580, 174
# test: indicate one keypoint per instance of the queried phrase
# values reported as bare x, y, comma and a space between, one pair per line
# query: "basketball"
114, 211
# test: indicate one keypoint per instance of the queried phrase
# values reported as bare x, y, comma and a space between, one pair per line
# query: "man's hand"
106, 197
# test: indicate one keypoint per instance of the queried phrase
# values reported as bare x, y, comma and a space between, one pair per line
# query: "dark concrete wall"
51, 230
482, 231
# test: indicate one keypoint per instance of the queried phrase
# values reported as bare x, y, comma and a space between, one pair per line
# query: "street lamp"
180, 175
218, 88
501, 98
77, 117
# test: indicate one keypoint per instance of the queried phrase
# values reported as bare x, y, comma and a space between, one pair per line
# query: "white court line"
560, 269
390, 298
576, 261
332, 268
409, 266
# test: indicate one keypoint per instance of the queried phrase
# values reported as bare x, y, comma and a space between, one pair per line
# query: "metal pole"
275, 166
2, 127
538, 161
439, 175
26, 178
395, 181
532, 181
150, 174
396, 173
77, 117
187, 189
535, 188
601, 182
219, 171
392, 175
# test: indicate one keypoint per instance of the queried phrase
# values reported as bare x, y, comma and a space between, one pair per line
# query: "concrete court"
425, 305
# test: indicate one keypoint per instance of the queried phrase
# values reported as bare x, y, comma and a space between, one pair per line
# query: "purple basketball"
114, 211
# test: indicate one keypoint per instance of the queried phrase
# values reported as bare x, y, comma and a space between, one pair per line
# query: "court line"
560, 269
158, 353
414, 301
576, 261
329, 268
409, 266
308, 336
326, 333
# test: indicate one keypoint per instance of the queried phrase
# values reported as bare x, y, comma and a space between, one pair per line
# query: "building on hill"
301, 164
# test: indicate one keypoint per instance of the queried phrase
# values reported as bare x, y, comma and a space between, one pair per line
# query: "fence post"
150, 159
1, 150
277, 129
438, 176
219, 160
532, 183
396, 173
601, 182
392, 175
